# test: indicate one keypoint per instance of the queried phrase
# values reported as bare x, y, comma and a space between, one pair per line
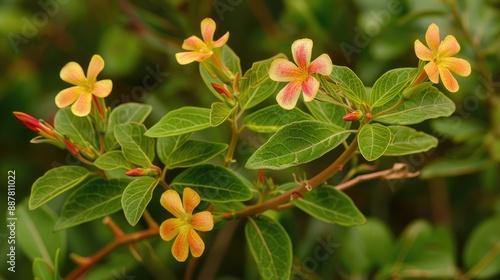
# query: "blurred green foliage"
138, 40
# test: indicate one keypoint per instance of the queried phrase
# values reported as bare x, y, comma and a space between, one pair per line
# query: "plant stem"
483, 263
234, 140
126, 239
317, 180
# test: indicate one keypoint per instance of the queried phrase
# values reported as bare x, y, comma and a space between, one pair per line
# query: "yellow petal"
449, 82
72, 73
301, 52
184, 58
170, 228
203, 221
432, 72
95, 67
171, 201
195, 243
322, 65
68, 96
190, 199
422, 52
310, 88
432, 37
102, 88
207, 30
180, 248
458, 66
193, 43
221, 41
282, 70
82, 105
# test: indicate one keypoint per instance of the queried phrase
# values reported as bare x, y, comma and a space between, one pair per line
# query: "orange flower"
199, 50
439, 54
299, 75
81, 94
185, 223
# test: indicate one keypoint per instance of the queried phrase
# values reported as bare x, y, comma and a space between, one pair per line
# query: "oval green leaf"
55, 182
270, 246
112, 160
389, 85
406, 141
328, 113
213, 183
136, 147
273, 118
191, 153
297, 143
330, 205
219, 113
351, 86
137, 196
180, 121
122, 114
79, 129
373, 140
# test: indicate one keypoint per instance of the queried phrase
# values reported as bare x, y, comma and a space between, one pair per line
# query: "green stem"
317, 180
400, 101
235, 133
483, 263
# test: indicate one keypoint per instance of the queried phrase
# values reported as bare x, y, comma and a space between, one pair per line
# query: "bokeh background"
460, 186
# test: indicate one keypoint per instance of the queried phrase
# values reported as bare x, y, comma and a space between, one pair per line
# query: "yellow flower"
199, 50
185, 223
85, 87
439, 54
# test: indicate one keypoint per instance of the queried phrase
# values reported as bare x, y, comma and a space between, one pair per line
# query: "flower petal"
221, 41
449, 46
190, 199
458, 66
171, 201
184, 58
203, 221
322, 65
310, 88
196, 244
432, 37
193, 43
301, 51
170, 228
288, 96
72, 73
68, 96
82, 105
95, 67
449, 82
282, 70
180, 248
432, 72
207, 30
102, 88
422, 52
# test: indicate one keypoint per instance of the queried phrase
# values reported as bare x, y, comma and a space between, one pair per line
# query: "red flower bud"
222, 90
352, 116
38, 126
261, 178
70, 147
137, 172
368, 115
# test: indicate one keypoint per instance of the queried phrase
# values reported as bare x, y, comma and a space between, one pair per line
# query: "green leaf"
273, 118
94, 200
122, 114
42, 270
390, 85
328, 113
165, 146
180, 121
79, 129
429, 104
137, 196
255, 85
373, 140
423, 250
112, 160
270, 246
406, 141
445, 167
330, 205
54, 182
230, 60
459, 129
350, 85
34, 233
219, 113
193, 152
482, 250
136, 147
297, 143
213, 183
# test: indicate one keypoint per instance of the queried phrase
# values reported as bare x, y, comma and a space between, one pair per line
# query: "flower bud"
148, 171
353, 116
222, 90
